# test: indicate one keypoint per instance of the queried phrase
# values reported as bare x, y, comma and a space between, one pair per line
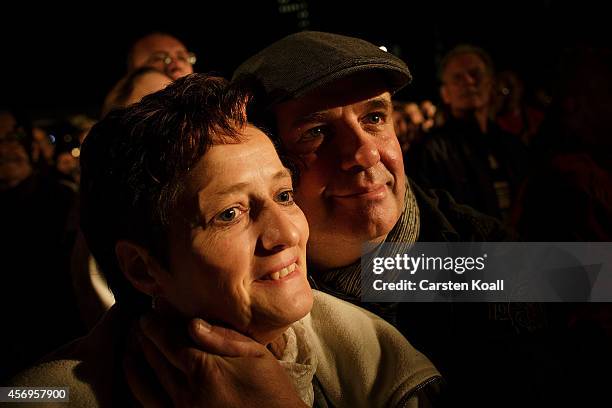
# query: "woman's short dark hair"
134, 162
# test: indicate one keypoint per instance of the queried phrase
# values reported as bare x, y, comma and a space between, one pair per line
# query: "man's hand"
212, 366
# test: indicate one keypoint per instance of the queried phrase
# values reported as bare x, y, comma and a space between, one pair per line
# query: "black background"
59, 59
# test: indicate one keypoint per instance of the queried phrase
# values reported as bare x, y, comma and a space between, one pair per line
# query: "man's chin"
367, 228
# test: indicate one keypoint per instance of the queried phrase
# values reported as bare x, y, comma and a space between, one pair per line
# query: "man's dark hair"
134, 164
466, 49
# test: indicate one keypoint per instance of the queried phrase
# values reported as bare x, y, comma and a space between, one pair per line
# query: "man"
162, 52
159, 51
328, 97
478, 163
334, 115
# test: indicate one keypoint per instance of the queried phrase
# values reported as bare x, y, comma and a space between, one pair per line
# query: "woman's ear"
139, 267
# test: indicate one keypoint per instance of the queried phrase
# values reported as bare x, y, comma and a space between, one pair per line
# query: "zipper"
405, 398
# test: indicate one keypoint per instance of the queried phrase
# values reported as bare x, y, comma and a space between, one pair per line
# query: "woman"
184, 201
132, 87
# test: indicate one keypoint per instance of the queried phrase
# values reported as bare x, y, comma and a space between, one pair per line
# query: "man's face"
164, 53
352, 180
466, 84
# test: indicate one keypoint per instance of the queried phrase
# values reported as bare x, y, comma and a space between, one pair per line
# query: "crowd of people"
232, 214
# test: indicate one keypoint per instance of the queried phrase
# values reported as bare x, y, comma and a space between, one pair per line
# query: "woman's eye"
286, 197
229, 215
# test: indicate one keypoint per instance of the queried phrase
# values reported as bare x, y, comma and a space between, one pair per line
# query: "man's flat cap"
307, 60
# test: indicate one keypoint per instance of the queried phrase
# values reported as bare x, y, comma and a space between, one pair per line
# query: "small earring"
154, 302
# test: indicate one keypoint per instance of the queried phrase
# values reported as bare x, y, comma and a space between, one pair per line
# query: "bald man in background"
163, 52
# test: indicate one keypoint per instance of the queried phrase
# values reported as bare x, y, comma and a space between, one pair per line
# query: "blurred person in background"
163, 52
156, 51
8, 122
82, 124
134, 86
38, 227
569, 195
412, 121
42, 150
511, 112
469, 156
568, 198
67, 169
431, 113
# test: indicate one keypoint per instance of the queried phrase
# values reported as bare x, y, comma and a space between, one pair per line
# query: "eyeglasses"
166, 59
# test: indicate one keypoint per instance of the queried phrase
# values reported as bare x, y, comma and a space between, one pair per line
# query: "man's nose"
470, 79
173, 69
358, 149
278, 229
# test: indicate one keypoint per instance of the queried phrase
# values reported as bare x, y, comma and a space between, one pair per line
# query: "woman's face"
240, 260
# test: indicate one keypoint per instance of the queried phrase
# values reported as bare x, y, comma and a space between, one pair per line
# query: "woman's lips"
280, 274
280, 271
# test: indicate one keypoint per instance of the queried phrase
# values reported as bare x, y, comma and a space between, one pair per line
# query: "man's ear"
139, 267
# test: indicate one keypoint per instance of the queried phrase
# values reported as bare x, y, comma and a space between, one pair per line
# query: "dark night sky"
64, 60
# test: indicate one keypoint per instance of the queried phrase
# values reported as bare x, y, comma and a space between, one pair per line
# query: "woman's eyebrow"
237, 187
231, 189
282, 174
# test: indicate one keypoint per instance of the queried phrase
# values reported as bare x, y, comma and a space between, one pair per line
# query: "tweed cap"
304, 61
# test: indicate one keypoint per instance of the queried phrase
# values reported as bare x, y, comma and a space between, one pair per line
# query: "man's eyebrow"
320, 116
378, 103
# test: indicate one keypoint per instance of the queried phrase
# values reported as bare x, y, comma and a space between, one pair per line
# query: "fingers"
171, 341
222, 341
168, 348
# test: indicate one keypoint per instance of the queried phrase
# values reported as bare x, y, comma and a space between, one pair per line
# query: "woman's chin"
275, 320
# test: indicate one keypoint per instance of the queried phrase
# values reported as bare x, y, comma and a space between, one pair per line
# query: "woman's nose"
279, 230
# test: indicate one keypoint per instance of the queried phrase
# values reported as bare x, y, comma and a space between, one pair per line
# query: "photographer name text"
475, 285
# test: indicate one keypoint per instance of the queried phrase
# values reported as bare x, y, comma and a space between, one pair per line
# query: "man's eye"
313, 134
285, 197
158, 57
375, 118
